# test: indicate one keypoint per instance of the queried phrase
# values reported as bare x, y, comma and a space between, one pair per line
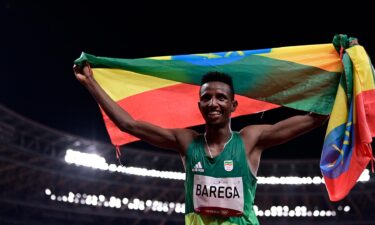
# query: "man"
220, 165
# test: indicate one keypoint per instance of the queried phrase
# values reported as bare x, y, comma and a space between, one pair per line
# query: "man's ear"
234, 105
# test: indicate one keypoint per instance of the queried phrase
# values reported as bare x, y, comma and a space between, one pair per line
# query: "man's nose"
213, 101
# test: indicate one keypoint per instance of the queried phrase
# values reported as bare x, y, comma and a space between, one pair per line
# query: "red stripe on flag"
365, 105
340, 186
172, 107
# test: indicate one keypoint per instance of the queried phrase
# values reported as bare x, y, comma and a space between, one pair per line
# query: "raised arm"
174, 139
285, 130
260, 137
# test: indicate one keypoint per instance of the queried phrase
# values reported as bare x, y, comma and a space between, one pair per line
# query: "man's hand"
83, 75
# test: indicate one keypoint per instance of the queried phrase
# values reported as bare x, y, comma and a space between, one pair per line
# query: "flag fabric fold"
164, 91
347, 146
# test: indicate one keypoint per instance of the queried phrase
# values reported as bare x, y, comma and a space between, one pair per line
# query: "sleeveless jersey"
219, 190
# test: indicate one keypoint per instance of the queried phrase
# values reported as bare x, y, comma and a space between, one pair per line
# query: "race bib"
218, 196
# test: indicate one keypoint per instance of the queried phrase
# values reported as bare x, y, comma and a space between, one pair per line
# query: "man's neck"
217, 135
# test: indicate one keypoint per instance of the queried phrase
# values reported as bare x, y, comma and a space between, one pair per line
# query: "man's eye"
205, 98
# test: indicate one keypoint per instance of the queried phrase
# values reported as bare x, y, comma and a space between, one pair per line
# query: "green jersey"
219, 190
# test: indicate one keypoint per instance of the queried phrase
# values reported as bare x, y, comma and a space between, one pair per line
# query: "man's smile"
214, 114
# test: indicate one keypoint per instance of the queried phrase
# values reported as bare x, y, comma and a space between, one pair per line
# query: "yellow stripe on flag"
120, 84
323, 56
362, 71
168, 57
339, 112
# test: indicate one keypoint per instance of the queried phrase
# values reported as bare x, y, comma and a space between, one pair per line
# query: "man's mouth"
214, 114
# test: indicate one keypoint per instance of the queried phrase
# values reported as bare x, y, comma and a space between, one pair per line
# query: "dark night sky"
39, 42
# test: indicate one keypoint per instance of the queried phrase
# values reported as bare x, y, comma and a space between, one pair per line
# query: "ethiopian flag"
347, 146
165, 90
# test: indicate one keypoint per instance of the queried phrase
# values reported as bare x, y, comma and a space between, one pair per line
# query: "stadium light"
95, 161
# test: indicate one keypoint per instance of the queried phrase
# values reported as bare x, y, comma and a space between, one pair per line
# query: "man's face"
216, 103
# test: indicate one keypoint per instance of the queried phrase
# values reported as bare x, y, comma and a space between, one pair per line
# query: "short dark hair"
218, 76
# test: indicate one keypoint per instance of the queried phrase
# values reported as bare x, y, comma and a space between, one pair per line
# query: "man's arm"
260, 137
174, 139
288, 129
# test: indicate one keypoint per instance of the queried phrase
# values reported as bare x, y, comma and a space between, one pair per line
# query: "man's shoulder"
186, 132
253, 130
185, 136
251, 135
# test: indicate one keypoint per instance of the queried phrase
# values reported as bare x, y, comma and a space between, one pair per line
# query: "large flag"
164, 90
347, 146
